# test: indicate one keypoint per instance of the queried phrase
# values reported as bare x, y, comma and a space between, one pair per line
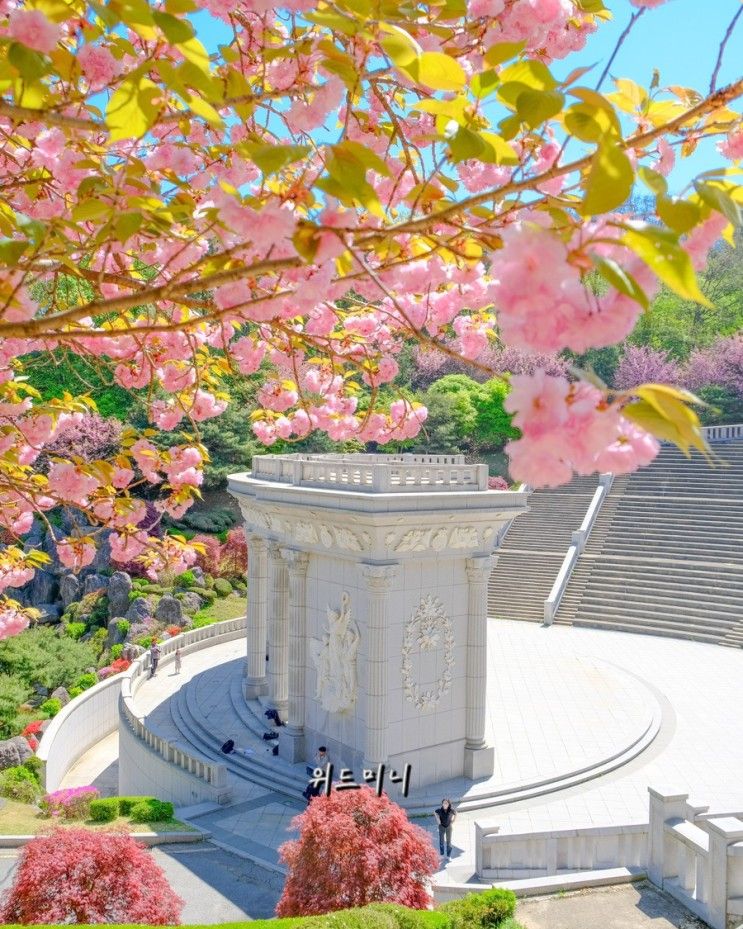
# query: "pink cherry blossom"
732, 146
70, 482
12, 621
98, 64
75, 553
34, 30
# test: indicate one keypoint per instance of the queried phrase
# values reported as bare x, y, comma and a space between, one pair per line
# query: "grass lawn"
225, 608
23, 819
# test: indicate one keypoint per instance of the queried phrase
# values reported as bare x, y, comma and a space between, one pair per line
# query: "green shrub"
222, 587
406, 918
104, 810
86, 680
208, 580
145, 641
75, 630
152, 811
33, 764
122, 626
74, 692
18, 783
51, 707
117, 650
186, 579
201, 619
205, 593
12, 693
127, 803
484, 910
157, 589
361, 918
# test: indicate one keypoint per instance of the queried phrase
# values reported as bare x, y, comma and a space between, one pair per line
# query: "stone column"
479, 759
378, 580
255, 667
291, 737
278, 632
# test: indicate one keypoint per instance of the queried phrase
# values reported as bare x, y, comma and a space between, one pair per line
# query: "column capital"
296, 560
479, 568
255, 539
275, 549
379, 576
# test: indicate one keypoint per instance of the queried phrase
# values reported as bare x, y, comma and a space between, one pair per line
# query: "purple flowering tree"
641, 364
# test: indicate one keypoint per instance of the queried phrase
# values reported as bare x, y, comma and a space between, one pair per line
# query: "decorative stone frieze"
428, 630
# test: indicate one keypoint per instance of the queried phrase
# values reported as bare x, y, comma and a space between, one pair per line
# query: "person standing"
445, 816
154, 657
178, 660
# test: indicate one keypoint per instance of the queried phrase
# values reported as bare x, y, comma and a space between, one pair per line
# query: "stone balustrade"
692, 854
373, 473
150, 762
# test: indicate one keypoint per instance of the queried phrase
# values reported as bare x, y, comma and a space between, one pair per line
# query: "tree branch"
633, 19
718, 63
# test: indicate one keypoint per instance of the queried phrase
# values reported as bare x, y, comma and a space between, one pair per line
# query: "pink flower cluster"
69, 803
552, 28
569, 428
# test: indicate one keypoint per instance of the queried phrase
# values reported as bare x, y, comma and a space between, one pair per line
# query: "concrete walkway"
557, 695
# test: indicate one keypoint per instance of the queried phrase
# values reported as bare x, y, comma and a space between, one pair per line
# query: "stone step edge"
552, 884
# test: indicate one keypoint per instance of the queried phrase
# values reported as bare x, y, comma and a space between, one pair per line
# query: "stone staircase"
246, 725
534, 548
665, 554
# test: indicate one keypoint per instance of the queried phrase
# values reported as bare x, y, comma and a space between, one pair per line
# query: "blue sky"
681, 38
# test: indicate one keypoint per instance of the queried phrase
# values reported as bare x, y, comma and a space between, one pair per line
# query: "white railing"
692, 854
579, 539
723, 433
514, 856
696, 857
211, 772
373, 473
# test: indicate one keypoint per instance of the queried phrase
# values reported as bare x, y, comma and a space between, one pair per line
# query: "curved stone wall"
96, 713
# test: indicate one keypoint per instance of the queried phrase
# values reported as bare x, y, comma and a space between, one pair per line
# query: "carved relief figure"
334, 657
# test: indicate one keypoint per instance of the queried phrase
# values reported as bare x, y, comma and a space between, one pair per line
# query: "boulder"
119, 588
114, 637
102, 558
139, 610
169, 610
94, 582
14, 752
198, 574
41, 691
50, 612
45, 725
60, 693
9, 756
69, 589
191, 602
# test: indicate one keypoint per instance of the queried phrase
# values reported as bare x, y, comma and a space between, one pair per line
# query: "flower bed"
69, 803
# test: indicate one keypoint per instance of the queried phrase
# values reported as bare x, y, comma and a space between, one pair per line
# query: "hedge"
484, 910
104, 810
126, 803
152, 811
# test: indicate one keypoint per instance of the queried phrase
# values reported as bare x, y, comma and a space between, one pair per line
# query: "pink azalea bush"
69, 803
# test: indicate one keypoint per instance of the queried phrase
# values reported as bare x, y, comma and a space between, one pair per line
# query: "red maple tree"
80, 876
355, 848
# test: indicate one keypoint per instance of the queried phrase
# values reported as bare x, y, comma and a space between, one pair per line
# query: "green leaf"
193, 51
437, 71
497, 150
399, 45
503, 51
524, 75
464, 145
272, 158
175, 30
131, 112
719, 199
537, 106
590, 123
336, 21
609, 181
484, 84
202, 108
33, 229
11, 251
90, 209
665, 411
679, 215
665, 257
365, 156
30, 64
653, 180
620, 280
126, 224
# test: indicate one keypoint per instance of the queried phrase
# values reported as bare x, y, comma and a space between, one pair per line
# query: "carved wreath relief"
334, 657
428, 629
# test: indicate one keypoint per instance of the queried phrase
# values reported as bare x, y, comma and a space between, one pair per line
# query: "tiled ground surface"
553, 695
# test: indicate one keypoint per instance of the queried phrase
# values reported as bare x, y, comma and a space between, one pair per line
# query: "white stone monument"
367, 586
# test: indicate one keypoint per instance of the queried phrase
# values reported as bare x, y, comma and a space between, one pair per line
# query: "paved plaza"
559, 698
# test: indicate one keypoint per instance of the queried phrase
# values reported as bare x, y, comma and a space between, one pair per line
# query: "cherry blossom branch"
720, 54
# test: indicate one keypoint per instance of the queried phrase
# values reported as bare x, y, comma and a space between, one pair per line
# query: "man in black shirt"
445, 816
